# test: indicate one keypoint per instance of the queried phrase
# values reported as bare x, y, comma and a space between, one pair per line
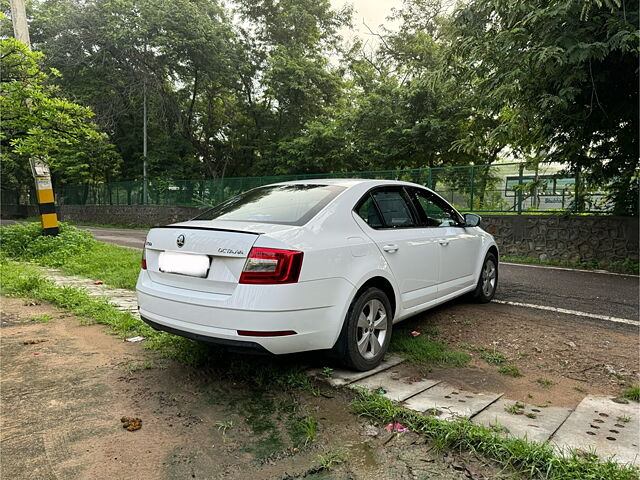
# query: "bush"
26, 242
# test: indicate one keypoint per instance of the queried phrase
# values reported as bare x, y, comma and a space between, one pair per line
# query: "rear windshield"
281, 204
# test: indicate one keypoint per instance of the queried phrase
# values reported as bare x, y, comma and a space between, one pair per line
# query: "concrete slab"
341, 377
450, 402
396, 388
601, 425
538, 426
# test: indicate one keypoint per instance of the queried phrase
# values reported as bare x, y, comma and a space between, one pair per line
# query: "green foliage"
26, 242
510, 371
493, 357
74, 251
422, 351
37, 121
525, 458
632, 393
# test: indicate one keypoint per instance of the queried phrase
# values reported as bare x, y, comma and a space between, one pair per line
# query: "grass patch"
545, 382
632, 393
494, 357
422, 351
509, 371
525, 458
73, 251
627, 266
332, 458
515, 409
45, 318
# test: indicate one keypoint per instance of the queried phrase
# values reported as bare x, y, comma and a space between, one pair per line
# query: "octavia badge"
180, 241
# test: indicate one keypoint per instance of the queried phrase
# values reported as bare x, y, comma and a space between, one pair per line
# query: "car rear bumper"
314, 310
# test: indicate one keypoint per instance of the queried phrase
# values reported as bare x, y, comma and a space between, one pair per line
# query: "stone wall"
134, 215
555, 237
545, 237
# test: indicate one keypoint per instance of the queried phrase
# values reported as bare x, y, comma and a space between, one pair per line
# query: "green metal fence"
508, 187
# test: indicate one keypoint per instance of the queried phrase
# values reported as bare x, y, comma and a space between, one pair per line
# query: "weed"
74, 251
515, 409
326, 373
302, 430
469, 323
632, 393
45, 318
495, 358
499, 428
421, 350
432, 331
509, 371
528, 459
545, 382
471, 347
223, 427
334, 457
131, 366
579, 389
530, 415
624, 419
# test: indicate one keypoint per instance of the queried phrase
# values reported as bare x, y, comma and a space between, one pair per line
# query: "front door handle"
443, 242
390, 248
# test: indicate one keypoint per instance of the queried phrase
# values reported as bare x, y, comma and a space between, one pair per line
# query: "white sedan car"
314, 265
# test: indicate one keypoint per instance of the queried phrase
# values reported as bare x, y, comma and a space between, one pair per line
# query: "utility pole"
39, 167
144, 145
19, 18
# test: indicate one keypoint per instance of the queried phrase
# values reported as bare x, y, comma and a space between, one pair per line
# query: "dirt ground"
62, 400
579, 357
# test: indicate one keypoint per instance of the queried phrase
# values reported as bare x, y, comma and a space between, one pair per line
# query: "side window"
432, 213
369, 213
396, 212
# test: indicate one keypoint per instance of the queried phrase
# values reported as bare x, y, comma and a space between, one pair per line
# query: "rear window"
281, 204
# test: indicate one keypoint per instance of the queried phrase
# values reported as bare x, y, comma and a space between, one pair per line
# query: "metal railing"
503, 187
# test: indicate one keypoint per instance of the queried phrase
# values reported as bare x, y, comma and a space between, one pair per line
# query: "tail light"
144, 258
271, 266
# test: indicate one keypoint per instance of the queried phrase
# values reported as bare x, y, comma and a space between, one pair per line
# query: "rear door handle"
443, 242
390, 248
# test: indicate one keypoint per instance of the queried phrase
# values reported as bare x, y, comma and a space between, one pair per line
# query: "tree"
566, 71
38, 122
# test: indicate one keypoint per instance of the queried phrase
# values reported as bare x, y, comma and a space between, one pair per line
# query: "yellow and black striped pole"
44, 195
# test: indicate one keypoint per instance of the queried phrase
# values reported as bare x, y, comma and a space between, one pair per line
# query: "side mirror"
472, 220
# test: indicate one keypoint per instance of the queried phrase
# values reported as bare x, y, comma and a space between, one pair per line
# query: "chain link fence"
506, 187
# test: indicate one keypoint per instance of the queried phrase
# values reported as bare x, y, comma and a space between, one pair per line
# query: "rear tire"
366, 332
488, 281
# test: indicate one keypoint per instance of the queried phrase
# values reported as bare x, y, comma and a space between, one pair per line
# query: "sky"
372, 12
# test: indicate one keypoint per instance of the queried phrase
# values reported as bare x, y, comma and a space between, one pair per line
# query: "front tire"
366, 332
488, 281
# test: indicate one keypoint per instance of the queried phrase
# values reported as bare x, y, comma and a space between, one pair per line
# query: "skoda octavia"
314, 265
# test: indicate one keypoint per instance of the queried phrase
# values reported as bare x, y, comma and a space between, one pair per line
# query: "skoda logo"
180, 240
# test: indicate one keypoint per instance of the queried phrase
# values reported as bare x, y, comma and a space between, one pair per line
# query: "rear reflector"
280, 333
144, 258
270, 266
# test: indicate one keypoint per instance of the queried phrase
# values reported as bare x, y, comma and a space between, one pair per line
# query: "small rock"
571, 344
370, 431
537, 349
610, 370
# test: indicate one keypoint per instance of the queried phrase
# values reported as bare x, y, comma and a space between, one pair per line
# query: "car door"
459, 246
410, 250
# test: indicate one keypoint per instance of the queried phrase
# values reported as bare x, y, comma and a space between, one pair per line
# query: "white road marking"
570, 312
550, 267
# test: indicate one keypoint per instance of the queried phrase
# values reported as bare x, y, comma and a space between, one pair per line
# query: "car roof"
344, 182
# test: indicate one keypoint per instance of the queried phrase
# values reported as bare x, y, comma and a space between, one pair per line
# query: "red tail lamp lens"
271, 266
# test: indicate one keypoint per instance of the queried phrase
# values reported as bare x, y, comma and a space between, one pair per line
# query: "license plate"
184, 264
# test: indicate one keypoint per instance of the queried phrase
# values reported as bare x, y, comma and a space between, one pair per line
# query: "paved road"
582, 291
